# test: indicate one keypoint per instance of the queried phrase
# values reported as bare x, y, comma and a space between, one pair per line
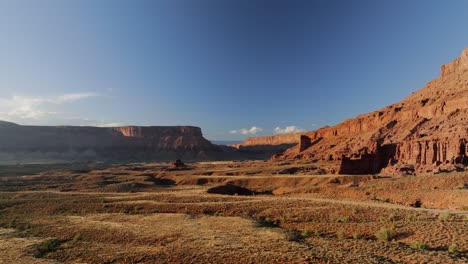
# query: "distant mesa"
426, 132
31, 144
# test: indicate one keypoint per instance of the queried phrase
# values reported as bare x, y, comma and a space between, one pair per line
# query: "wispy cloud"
244, 131
74, 97
110, 124
288, 129
22, 108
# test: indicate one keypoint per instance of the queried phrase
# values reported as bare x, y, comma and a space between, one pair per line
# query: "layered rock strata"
426, 131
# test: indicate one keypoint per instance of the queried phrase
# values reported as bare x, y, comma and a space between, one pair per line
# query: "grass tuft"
356, 236
452, 249
418, 245
385, 234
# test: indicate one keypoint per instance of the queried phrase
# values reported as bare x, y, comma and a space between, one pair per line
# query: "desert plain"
228, 212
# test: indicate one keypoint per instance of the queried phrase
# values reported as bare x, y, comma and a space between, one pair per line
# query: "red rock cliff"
426, 130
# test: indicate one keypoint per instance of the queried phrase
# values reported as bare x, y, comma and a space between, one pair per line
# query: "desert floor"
228, 212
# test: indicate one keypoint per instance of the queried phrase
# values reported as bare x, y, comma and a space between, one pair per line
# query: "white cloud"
288, 129
30, 109
74, 97
111, 125
244, 131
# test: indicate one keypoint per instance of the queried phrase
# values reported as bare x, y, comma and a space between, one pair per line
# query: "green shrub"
384, 234
453, 249
356, 236
419, 246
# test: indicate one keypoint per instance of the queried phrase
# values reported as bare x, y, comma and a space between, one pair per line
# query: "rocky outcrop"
434, 151
458, 65
427, 131
132, 143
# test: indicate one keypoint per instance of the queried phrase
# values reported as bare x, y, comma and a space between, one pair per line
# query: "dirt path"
296, 197
378, 205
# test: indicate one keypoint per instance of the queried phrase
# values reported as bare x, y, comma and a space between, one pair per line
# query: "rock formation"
21, 144
427, 131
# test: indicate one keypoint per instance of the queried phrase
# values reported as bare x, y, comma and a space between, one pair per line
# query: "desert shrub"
12, 223
46, 247
412, 218
283, 219
307, 233
419, 246
356, 236
317, 233
293, 235
266, 222
246, 215
219, 213
341, 235
444, 217
453, 249
384, 234
344, 219
205, 211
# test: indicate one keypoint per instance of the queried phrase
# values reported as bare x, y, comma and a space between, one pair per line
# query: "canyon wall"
427, 131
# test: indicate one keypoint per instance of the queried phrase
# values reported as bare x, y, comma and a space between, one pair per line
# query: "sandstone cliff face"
132, 143
280, 139
427, 130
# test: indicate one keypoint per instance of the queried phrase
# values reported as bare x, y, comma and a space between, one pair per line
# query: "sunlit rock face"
428, 131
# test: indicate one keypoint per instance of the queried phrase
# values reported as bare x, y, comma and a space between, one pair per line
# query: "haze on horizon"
234, 68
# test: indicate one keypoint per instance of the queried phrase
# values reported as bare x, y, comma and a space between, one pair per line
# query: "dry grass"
145, 213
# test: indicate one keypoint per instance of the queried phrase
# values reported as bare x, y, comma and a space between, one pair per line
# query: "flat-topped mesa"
22, 144
159, 131
460, 64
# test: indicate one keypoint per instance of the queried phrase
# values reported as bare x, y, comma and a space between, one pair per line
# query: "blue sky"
236, 68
